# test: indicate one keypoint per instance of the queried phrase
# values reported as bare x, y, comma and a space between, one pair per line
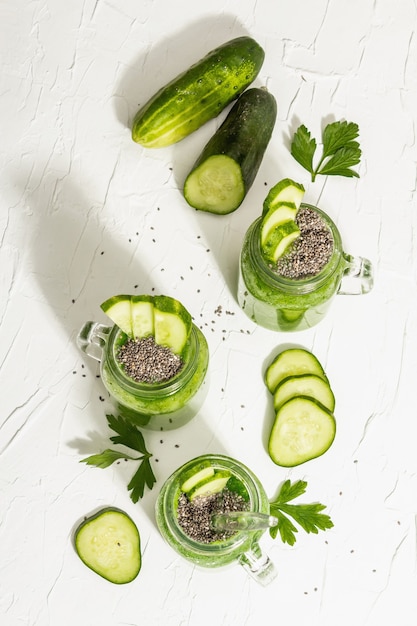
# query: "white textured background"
85, 213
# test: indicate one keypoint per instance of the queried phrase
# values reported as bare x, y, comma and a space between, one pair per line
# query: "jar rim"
295, 285
241, 472
167, 387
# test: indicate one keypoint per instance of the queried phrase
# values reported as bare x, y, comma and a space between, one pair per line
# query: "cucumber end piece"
215, 186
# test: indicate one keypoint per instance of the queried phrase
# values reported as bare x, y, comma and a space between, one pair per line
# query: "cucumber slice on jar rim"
279, 240
211, 485
118, 309
285, 190
142, 313
161, 316
303, 430
172, 323
283, 212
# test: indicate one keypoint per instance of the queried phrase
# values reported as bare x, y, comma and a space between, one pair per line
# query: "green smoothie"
241, 487
277, 300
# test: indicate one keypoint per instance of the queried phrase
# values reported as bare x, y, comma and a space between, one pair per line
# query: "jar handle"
92, 338
358, 277
258, 565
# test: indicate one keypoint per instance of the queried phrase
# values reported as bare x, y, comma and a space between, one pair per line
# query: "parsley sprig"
308, 516
128, 435
340, 152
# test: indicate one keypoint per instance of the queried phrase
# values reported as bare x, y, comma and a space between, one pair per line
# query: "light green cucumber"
292, 362
173, 323
142, 312
196, 475
211, 485
279, 240
308, 385
303, 430
277, 215
286, 190
118, 308
109, 544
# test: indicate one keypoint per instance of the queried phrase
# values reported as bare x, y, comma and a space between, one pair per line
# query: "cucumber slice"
196, 476
278, 214
172, 323
142, 313
216, 185
292, 362
214, 484
118, 309
285, 191
279, 240
304, 385
303, 430
109, 544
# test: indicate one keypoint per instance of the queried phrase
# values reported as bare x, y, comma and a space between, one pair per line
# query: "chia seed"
195, 517
145, 361
310, 251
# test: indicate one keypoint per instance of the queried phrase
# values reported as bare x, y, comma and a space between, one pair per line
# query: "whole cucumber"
227, 166
198, 94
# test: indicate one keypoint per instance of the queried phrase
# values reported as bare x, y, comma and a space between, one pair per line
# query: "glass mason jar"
156, 406
284, 304
242, 547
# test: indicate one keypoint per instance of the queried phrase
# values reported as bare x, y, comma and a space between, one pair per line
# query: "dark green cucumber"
108, 542
227, 166
198, 94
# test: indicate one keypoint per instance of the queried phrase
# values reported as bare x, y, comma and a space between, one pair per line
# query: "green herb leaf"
340, 150
143, 476
341, 161
338, 135
308, 516
106, 458
303, 148
129, 435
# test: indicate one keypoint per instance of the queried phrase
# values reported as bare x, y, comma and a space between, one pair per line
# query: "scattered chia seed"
310, 251
147, 362
195, 517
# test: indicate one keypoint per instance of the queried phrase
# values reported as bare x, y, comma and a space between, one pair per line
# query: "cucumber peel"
109, 544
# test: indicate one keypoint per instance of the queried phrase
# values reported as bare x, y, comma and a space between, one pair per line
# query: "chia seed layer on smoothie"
310, 251
145, 361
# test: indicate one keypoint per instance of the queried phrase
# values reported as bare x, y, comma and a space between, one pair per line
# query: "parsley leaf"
129, 435
339, 154
106, 458
303, 148
308, 516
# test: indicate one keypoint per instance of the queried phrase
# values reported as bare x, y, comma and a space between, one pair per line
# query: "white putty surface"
85, 213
